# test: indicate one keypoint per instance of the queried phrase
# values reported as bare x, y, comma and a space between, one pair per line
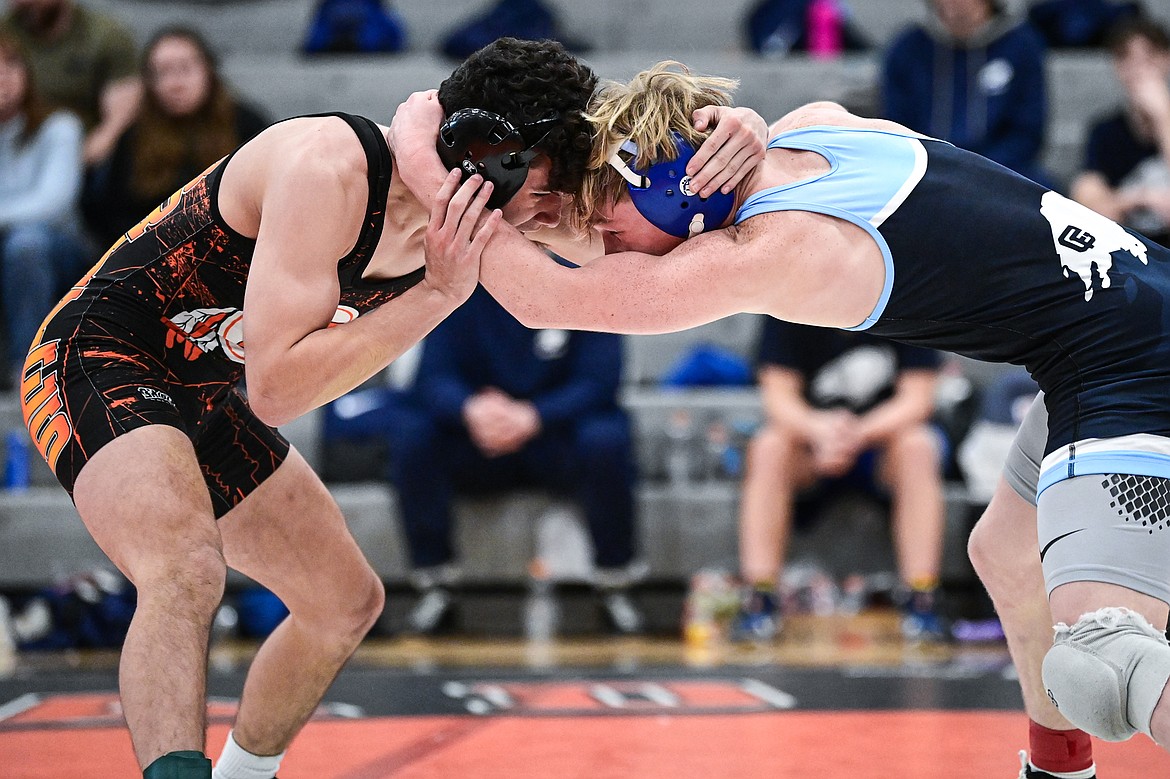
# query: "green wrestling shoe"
187, 764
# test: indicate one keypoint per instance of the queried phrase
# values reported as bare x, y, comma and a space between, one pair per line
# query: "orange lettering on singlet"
44, 411
163, 211
152, 219
137, 231
73, 294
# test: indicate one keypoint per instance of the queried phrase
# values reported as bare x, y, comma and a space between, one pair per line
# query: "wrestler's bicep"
695, 284
307, 224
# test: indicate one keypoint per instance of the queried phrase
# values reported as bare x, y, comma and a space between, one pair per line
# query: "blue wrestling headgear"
662, 193
477, 141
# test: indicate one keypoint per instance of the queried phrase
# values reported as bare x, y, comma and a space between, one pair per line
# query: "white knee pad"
1106, 673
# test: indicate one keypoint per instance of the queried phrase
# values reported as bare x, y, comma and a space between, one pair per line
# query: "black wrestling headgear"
477, 141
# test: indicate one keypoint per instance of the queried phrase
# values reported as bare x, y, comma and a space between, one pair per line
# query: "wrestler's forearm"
526, 281
328, 363
625, 292
422, 173
412, 138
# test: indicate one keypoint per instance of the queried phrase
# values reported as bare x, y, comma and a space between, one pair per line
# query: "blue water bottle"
16, 462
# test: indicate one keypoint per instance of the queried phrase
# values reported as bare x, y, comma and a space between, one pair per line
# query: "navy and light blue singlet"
986, 263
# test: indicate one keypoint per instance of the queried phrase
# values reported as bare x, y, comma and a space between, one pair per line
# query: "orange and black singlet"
153, 334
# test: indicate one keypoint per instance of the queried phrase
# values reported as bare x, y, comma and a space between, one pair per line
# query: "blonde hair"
655, 103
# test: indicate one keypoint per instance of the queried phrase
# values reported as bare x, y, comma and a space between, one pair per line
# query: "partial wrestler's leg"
1005, 553
144, 500
289, 535
1105, 549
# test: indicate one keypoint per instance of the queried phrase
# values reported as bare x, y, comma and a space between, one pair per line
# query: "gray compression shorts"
1021, 470
1112, 528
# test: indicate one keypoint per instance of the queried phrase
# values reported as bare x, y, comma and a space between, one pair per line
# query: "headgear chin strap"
662, 193
478, 141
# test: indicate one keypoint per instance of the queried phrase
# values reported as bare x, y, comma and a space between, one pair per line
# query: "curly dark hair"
526, 81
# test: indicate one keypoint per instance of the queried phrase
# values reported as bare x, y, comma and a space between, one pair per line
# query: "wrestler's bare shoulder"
304, 157
824, 113
788, 226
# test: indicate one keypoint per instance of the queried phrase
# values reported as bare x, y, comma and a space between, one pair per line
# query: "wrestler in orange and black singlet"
153, 334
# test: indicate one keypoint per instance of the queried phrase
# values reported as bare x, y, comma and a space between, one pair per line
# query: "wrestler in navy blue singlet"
986, 263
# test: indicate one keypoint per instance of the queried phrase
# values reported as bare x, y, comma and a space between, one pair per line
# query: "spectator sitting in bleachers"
189, 119
41, 244
496, 407
1127, 159
842, 410
84, 61
973, 75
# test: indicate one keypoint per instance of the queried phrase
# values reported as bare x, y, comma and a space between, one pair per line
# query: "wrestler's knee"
1107, 671
370, 605
1000, 567
191, 581
351, 611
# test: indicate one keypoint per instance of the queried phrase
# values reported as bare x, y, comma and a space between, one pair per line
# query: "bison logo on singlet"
206, 330
1083, 238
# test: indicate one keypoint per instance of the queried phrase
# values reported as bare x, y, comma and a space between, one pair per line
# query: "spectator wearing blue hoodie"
496, 407
972, 74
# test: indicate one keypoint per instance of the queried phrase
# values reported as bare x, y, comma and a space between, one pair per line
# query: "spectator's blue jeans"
590, 460
38, 262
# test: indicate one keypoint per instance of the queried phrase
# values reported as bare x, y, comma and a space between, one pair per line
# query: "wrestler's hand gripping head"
662, 192
483, 142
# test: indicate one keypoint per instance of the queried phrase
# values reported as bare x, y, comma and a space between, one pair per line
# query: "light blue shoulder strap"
871, 173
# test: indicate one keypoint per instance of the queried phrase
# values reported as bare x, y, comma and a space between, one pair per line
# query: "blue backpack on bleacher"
355, 27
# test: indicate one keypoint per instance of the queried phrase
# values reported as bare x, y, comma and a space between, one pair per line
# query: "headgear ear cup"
662, 193
478, 141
